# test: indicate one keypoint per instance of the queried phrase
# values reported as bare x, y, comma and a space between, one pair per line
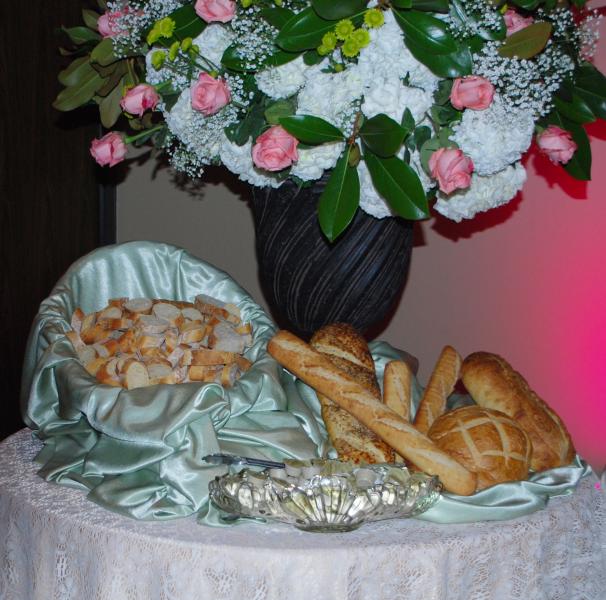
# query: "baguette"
396, 390
441, 383
318, 372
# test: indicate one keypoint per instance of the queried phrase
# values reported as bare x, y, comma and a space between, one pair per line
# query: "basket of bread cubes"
505, 435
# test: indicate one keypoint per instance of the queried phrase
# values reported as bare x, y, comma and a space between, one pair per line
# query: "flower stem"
133, 138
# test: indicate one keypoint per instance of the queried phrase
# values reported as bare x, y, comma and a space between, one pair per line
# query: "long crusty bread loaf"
318, 372
348, 351
440, 386
397, 381
493, 383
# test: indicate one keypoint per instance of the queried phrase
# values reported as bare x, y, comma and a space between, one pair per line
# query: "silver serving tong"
230, 459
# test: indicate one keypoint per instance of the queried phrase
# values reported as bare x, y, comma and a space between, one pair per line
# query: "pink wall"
527, 281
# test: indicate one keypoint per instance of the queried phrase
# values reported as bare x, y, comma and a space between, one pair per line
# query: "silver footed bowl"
326, 495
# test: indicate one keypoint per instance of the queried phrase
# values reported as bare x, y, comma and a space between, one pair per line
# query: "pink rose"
209, 95
216, 10
107, 25
471, 92
451, 168
557, 144
139, 99
275, 149
515, 21
109, 150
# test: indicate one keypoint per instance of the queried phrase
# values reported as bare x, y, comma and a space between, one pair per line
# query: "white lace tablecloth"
56, 545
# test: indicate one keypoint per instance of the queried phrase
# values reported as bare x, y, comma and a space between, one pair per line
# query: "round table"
55, 544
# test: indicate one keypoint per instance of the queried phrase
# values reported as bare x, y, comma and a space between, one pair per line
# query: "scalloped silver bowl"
327, 495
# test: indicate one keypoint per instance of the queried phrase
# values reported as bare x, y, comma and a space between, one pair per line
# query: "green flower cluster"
352, 39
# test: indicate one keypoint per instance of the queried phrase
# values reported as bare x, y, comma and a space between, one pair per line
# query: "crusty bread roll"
441, 383
317, 371
486, 442
493, 383
348, 351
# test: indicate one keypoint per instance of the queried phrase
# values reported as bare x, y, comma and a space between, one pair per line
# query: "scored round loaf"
486, 442
493, 383
347, 350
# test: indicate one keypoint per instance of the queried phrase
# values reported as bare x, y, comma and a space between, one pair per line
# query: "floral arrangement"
395, 102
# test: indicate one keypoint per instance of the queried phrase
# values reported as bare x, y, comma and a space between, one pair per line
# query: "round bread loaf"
486, 442
493, 383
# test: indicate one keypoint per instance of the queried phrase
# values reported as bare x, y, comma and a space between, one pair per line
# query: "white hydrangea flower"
331, 96
387, 57
213, 41
314, 161
391, 97
201, 135
370, 200
283, 81
495, 137
238, 159
484, 193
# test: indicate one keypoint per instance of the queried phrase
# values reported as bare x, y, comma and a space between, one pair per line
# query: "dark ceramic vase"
310, 282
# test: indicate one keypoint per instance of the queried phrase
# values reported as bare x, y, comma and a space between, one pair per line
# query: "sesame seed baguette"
397, 389
441, 383
318, 372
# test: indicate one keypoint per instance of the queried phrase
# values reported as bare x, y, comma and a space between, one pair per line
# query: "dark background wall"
49, 191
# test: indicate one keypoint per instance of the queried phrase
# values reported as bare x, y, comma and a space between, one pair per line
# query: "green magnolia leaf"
103, 53
579, 166
277, 16
382, 135
438, 6
427, 149
112, 80
576, 110
460, 16
76, 72
305, 30
590, 86
444, 115
526, 4
333, 11
78, 95
109, 107
311, 57
426, 32
402, 3
442, 94
188, 23
399, 185
279, 109
340, 198
527, 42
311, 130
81, 35
90, 18
457, 64
596, 103
408, 121
250, 127
421, 135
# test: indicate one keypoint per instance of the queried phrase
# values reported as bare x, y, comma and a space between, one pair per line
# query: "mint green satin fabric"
139, 452
497, 503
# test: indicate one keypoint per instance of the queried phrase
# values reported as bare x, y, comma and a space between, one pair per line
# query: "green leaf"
427, 149
421, 135
457, 64
90, 18
402, 3
305, 30
579, 166
333, 11
76, 72
590, 86
340, 198
460, 16
596, 103
250, 127
408, 121
438, 6
527, 42
526, 4
188, 23
277, 110
81, 35
311, 57
382, 135
109, 107
112, 80
399, 185
426, 32
311, 130
103, 53
444, 115
576, 110
78, 95
276, 16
